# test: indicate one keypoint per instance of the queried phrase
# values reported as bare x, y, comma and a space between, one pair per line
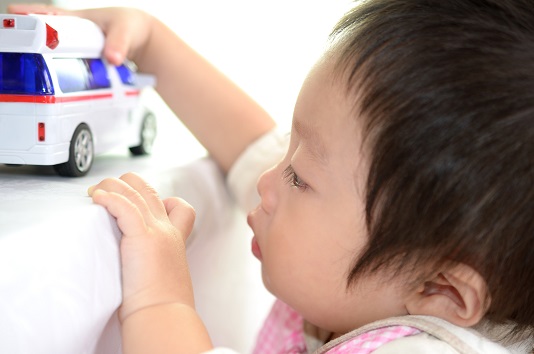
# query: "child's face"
310, 224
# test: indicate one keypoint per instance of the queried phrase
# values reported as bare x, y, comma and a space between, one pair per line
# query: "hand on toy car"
119, 25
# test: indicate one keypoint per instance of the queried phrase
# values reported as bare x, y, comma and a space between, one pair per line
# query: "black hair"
445, 89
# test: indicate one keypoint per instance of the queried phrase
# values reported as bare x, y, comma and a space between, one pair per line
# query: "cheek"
285, 248
300, 256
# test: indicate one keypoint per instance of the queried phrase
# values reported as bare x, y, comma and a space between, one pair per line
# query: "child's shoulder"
421, 343
423, 334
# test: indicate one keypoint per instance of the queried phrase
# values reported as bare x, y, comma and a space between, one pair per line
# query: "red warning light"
9, 23
52, 39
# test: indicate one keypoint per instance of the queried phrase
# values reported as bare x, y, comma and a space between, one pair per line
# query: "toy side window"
126, 74
24, 74
75, 74
98, 74
72, 74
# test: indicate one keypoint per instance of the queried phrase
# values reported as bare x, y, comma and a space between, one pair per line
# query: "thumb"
126, 29
117, 44
181, 215
117, 27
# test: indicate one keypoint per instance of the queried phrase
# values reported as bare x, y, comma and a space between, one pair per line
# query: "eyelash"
293, 179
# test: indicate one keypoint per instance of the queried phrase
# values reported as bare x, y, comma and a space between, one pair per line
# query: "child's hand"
127, 30
154, 265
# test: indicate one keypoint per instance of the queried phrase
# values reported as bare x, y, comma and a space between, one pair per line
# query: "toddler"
398, 219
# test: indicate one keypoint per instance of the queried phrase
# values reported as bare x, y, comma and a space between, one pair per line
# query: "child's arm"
222, 117
158, 312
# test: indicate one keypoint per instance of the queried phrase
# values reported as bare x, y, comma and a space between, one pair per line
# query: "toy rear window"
24, 74
74, 74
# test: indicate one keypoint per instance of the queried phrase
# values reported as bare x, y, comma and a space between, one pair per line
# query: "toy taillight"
41, 131
9, 23
52, 38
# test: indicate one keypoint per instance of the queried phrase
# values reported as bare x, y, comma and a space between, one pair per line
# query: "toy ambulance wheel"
81, 153
148, 135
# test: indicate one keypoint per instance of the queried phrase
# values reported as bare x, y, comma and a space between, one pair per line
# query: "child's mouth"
255, 248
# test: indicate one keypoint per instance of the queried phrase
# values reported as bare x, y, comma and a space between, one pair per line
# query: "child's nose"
267, 190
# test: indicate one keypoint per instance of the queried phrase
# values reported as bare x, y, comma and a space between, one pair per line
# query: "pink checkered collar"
282, 333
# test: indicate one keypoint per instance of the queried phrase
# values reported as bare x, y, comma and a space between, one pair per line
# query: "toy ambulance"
61, 103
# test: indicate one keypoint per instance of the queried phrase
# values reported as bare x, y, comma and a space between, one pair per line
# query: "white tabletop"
60, 277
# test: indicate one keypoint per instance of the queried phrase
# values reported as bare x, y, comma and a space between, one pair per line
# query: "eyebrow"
314, 145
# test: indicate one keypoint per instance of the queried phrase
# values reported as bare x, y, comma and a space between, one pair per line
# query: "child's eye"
293, 179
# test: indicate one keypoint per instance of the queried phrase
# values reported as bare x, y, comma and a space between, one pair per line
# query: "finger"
118, 186
117, 37
118, 29
117, 45
36, 8
129, 219
147, 192
181, 215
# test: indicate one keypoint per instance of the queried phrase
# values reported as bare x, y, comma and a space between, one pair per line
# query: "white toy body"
53, 82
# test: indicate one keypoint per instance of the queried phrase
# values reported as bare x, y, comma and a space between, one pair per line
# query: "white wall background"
266, 47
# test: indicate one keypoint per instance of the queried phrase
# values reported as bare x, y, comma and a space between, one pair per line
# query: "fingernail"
114, 57
90, 190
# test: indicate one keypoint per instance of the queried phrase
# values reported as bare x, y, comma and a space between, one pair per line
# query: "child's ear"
457, 295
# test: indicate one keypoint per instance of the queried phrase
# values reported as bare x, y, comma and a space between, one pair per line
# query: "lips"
255, 247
